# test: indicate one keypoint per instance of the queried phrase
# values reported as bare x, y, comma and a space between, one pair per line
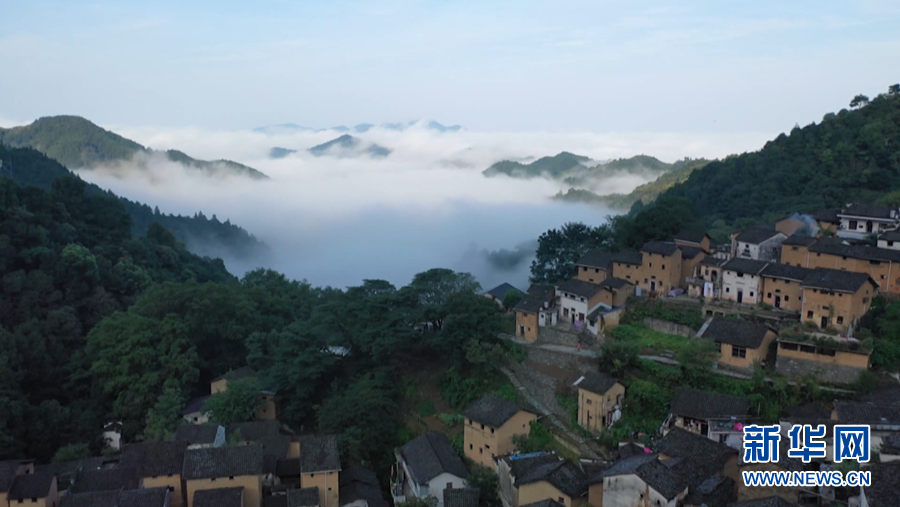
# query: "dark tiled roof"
155, 458
596, 382
491, 410
319, 453
197, 433
665, 248
887, 395
105, 479
501, 290
633, 258
691, 236
66, 471
890, 236
836, 280
430, 455
769, 501
827, 215
596, 259
890, 444
615, 283
242, 372
698, 404
563, 475
835, 246
786, 271
715, 491
303, 497
461, 497
220, 497
809, 411
799, 240
194, 405
625, 466
756, 235
661, 478
91, 499
356, 473
541, 290
746, 266
535, 298
626, 450
520, 466
580, 288
275, 500
713, 261
150, 497
736, 332
700, 457
288, 467
867, 210
223, 462
860, 412
31, 486
358, 483
8, 473
885, 485
544, 503
689, 252
254, 431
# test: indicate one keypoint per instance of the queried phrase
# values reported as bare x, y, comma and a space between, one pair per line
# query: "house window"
487, 446
865, 300
785, 299
651, 264
727, 289
740, 275
596, 270
664, 266
840, 320
584, 269
738, 351
588, 401
751, 293
482, 426
769, 296
492, 431
562, 501
853, 224
212, 480
230, 477
471, 447
449, 485
793, 248
480, 450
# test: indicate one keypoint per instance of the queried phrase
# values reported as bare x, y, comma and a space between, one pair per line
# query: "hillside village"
784, 301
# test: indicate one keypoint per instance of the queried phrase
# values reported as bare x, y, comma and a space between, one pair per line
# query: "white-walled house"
890, 239
757, 243
577, 299
741, 280
426, 466
857, 221
641, 480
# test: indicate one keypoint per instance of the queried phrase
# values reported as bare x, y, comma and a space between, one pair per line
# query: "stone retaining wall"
664, 326
563, 360
831, 373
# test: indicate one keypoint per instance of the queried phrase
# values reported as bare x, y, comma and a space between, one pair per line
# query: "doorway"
824, 322
652, 285
740, 296
777, 301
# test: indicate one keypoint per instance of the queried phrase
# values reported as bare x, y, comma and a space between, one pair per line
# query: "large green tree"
236, 404
559, 249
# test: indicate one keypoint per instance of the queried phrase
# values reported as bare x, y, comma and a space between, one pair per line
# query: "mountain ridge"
347, 146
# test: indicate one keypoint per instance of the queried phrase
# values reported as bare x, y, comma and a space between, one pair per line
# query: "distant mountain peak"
347, 146
292, 128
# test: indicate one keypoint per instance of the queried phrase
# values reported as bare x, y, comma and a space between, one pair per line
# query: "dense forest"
199, 233
99, 325
79, 144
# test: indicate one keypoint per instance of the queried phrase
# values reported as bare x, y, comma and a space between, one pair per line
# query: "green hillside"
850, 155
79, 144
555, 166
202, 235
647, 192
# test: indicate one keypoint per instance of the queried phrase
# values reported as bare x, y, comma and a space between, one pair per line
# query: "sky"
491, 66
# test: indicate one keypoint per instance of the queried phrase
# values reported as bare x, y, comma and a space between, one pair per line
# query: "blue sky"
496, 66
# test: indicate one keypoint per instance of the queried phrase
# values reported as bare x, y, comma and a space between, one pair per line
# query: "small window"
596, 270
230, 477
751, 293
865, 300
794, 248
738, 351
480, 450
740, 275
727, 289
786, 299
562, 501
312, 475
212, 480
840, 320
471, 447
588, 401
664, 266
809, 314
492, 431
651, 265
487, 446
482, 426
768, 296
449, 485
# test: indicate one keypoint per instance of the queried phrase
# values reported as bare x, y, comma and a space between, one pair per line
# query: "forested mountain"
848, 156
349, 146
79, 144
199, 233
555, 167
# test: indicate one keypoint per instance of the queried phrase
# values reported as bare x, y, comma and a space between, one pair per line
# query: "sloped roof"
242, 372
756, 235
8, 473
614, 283
319, 453
358, 483
661, 478
689, 252
501, 290
563, 475
799, 240
596, 382
461, 497
147, 497
220, 497
715, 491
523, 464
303, 497
287, 467
836, 246
769, 501
625, 466
713, 261
890, 236
827, 215
154, 458
836, 280
430, 455
885, 484
809, 411
491, 410
596, 259
228, 461
890, 444
867, 211
197, 433
580, 288
861, 412
740, 333
786, 272
31, 486
700, 457
194, 405
105, 479
633, 258
544, 503
695, 237
887, 395
697, 404
254, 431
90, 499
746, 266
665, 248
535, 298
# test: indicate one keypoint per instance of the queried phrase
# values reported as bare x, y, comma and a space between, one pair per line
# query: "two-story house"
890, 239
320, 467
594, 266
34, 490
861, 220
795, 250
9, 470
741, 343
782, 285
627, 266
577, 299
510, 468
641, 480
491, 423
694, 239
699, 458
882, 264
827, 220
600, 401
158, 465
741, 281
426, 466
238, 466
718, 417
537, 309
562, 481
836, 299
883, 419
660, 267
757, 243
615, 292
152, 497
